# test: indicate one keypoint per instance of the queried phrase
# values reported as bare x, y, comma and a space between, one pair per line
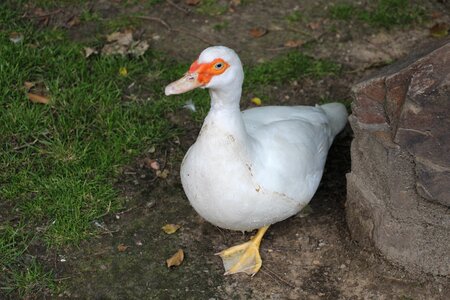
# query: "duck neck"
225, 100
225, 114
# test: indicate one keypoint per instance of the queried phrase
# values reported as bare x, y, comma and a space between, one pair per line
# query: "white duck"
253, 168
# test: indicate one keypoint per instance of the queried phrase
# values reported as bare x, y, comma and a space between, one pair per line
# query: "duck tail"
337, 114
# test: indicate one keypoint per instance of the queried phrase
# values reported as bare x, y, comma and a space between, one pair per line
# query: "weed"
294, 17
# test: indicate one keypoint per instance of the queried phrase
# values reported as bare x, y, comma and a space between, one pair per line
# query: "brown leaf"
170, 228
74, 21
439, 29
29, 85
176, 259
258, 32
192, 2
88, 51
314, 25
38, 98
122, 38
122, 247
436, 14
139, 48
293, 43
16, 37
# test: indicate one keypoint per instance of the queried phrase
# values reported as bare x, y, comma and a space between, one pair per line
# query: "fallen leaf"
123, 71
38, 98
170, 228
74, 21
293, 43
16, 37
29, 85
192, 2
439, 29
256, 101
162, 174
88, 51
139, 48
176, 259
122, 38
258, 32
314, 25
122, 247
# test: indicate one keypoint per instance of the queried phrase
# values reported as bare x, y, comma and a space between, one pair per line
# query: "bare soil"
309, 256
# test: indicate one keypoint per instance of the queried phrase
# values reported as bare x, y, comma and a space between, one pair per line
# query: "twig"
125, 211
186, 11
168, 27
62, 278
26, 145
276, 276
161, 21
300, 31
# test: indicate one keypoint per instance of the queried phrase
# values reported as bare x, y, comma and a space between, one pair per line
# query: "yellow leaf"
256, 101
176, 259
123, 71
170, 228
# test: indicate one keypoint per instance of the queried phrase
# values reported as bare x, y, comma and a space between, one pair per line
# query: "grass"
211, 8
385, 14
58, 162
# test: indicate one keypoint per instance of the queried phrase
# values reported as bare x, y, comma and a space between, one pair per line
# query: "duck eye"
218, 66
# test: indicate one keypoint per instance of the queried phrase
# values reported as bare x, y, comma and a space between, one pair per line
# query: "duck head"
217, 68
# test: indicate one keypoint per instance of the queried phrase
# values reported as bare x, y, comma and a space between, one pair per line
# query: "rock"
398, 191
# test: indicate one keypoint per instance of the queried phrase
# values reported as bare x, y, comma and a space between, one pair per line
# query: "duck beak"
186, 83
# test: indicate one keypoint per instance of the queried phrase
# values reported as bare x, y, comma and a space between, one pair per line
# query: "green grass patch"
291, 66
211, 7
58, 161
386, 13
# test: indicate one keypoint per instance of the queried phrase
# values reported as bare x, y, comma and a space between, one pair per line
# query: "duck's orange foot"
243, 258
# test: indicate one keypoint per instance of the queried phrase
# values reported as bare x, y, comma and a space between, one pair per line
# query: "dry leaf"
139, 48
439, 29
29, 85
192, 2
162, 174
38, 98
256, 101
293, 43
122, 247
258, 32
170, 228
88, 51
176, 259
16, 37
122, 38
314, 25
74, 21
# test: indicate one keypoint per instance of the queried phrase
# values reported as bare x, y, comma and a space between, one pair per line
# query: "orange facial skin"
206, 71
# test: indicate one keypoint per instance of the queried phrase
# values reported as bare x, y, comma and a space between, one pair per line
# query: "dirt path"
309, 256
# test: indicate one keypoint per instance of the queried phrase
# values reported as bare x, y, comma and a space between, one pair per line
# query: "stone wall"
399, 186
